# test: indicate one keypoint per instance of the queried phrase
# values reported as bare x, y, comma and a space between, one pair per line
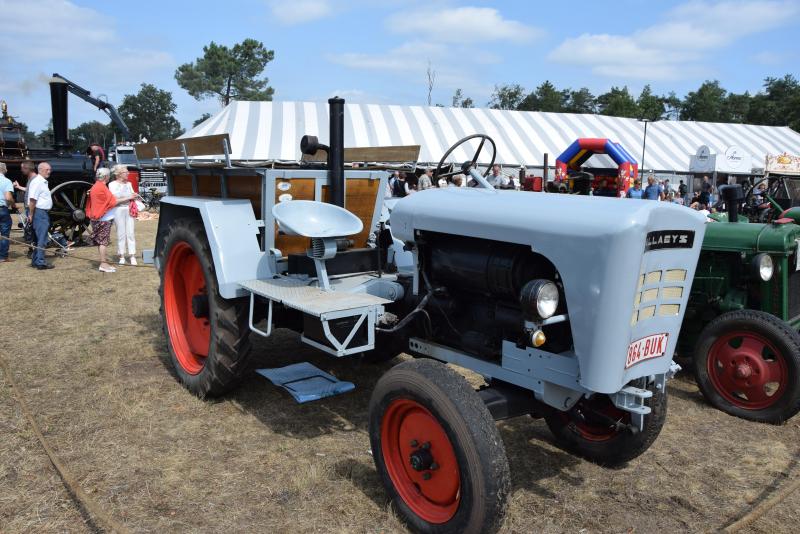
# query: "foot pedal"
305, 382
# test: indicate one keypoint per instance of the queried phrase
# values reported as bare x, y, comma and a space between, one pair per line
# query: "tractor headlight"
539, 299
763, 267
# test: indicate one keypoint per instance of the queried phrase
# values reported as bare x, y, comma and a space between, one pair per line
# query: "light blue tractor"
568, 307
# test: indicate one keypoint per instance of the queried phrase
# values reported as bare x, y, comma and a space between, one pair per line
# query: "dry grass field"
87, 350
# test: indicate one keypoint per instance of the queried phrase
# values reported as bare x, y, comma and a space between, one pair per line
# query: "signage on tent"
703, 153
734, 156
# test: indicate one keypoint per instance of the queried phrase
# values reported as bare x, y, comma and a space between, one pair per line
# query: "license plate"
646, 348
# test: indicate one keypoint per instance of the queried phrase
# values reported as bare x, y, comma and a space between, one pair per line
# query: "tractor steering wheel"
467, 165
764, 214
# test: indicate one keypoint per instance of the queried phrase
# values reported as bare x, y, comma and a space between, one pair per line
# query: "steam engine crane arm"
107, 108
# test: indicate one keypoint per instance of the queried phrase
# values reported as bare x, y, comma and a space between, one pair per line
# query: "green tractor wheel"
747, 364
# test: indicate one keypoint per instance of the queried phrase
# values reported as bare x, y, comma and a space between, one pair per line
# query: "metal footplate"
337, 322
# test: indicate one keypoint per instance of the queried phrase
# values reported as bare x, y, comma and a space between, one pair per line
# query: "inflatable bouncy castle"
583, 149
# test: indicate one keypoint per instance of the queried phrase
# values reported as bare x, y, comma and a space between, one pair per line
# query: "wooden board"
209, 145
248, 187
382, 154
359, 199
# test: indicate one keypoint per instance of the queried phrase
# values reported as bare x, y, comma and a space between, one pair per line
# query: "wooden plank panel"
208, 145
359, 199
300, 189
209, 186
182, 185
246, 187
382, 154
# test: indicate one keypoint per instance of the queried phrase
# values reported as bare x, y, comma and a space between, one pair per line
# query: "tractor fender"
232, 232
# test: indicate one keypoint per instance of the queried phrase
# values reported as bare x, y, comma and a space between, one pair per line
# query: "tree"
778, 105
90, 132
204, 117
672, 106
705, 104
618, 103
430, 75
460, 101
650, 106
43, 139
150, 113
545, 98
581, 101
507, 96
736, 107
228, 73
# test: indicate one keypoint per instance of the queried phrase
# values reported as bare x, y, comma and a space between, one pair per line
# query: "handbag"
133, 209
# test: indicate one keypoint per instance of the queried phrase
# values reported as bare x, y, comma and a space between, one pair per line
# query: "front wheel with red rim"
207, 335
437, 450
747, 364
600, 432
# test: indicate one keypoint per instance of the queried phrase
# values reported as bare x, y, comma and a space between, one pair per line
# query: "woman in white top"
122, 188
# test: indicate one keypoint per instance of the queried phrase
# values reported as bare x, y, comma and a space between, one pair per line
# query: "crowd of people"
108, 203
402, 184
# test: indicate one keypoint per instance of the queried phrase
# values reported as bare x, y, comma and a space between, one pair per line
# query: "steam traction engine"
573, 319
73, 174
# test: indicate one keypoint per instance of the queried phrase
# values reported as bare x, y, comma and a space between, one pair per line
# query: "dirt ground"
87, 350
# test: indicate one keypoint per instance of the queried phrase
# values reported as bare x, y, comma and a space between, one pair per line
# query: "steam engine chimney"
58, 101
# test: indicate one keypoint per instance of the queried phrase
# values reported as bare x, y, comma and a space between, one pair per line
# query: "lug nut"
434, 466
426, 445
414, 443
426, 476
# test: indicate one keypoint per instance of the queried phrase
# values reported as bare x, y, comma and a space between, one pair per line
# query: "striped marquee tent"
272, 131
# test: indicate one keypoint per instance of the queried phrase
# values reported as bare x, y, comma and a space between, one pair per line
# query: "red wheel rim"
747, 370
592, 418
411, 437
189, 336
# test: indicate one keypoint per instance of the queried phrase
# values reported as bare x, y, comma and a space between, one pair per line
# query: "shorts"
101, 232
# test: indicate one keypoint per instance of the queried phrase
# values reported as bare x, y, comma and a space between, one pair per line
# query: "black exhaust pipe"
336, 151
732, 194
58, 102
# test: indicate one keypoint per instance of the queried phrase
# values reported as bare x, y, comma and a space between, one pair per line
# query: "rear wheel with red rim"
207, 335
747, 363
600, 432
437, 450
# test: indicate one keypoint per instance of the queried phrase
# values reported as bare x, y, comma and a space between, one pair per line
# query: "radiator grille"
794, 294
654, 288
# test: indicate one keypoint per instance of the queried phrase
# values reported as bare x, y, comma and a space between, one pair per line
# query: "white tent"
272, 131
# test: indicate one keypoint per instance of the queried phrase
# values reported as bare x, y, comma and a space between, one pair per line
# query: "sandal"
107, 269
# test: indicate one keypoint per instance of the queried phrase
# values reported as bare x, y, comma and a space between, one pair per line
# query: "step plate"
297, 294
306, 382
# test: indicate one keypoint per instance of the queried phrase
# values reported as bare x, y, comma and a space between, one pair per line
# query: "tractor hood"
607, 252
751, 237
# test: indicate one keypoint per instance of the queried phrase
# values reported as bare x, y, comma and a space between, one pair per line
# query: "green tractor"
743, 316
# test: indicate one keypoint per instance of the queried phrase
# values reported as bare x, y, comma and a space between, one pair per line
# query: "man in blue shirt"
653, 191
6, 204
636, 191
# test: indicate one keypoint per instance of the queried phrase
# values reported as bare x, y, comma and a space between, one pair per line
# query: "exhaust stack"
58, 102
336, 151
732, 194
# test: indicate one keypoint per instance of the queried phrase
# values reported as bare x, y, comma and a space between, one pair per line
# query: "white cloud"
412, 56
299, 11
678, 46
93, 53
462, 25
91, 29
768, 58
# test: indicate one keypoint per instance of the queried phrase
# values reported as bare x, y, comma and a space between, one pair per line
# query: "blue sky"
378, 52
